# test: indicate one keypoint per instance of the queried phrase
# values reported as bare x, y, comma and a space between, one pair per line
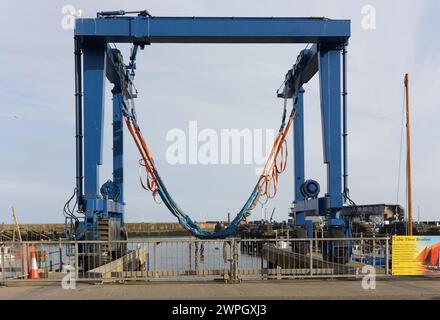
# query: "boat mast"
408, 157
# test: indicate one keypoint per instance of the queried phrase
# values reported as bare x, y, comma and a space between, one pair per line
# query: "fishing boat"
375, 258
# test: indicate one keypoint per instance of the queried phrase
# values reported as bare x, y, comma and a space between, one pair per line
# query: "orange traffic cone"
33, 274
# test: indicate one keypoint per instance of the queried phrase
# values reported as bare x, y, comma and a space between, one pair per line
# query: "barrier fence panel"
12, 261
191, 259
304, 258
160, 260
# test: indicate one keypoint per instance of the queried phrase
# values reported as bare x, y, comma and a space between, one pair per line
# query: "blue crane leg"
94, 85
118, 146
298, 150
330, 84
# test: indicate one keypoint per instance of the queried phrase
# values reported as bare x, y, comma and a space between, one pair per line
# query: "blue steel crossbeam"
213, 30
96, 61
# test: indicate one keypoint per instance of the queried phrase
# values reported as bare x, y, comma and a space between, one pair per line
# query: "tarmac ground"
389, 289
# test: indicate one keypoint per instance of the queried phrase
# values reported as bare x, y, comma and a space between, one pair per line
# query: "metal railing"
231, 260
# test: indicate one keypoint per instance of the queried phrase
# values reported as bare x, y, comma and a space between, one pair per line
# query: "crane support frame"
100, 61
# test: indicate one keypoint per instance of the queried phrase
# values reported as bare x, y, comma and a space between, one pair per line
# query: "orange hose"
152, 183
268, 181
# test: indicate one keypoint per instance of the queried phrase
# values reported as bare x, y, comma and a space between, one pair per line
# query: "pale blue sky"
220, 86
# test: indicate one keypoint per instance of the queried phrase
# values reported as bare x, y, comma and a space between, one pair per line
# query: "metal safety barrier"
230, 260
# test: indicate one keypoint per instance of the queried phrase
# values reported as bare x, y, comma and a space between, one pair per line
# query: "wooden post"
16, 226
408, 157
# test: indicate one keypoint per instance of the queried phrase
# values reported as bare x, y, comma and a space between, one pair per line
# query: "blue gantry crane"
102, 206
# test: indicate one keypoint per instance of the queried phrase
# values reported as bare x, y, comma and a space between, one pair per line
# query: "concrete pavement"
394, 289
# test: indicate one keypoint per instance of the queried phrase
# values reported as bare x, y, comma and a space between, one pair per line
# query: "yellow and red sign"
415, 255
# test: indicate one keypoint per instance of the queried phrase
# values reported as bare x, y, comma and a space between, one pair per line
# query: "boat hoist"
99, 214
